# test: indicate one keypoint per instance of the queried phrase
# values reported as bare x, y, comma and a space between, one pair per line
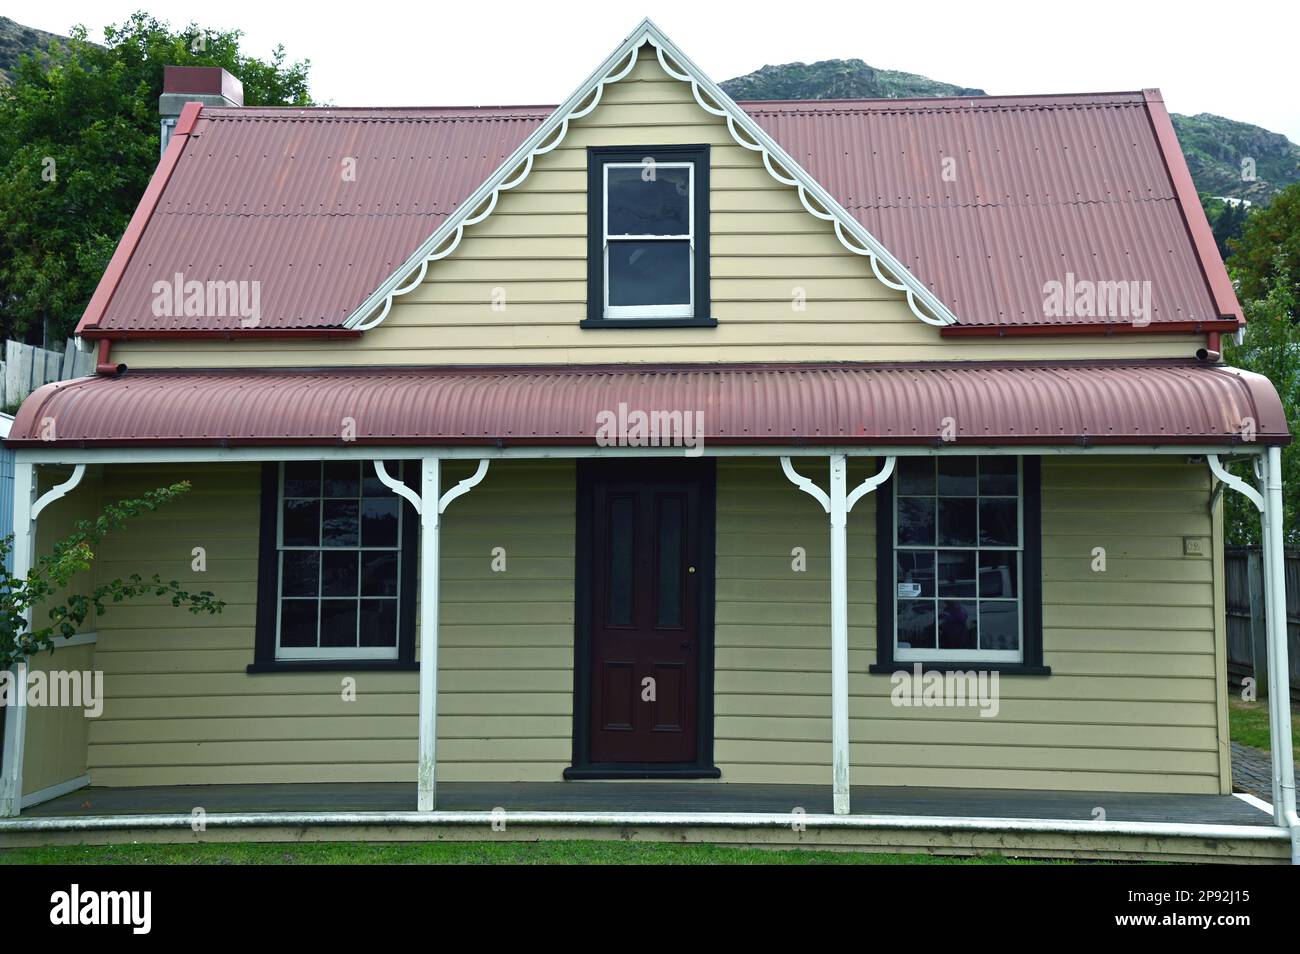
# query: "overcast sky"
1236, 59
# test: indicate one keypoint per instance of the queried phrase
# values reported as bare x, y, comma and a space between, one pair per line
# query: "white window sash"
332, 652
684, 309
964, 655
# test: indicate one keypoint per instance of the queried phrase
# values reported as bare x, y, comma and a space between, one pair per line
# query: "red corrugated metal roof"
1044, 186
264, 195
1053, 404
1038, 187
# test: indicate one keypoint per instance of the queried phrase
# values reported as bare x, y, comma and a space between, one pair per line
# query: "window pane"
300, 572
916, 475
999, 624
301, 523
957, 476
915, 573
956, 573
302, 479
998, 574
975, 562
649, 273
379, 622
998, 522
956, 521
340, 527
379, 522
379, 573
998, 476
339, 573
338, 622
323, 568
370, 483
343, 478
298, 623
649, 200
670, 561
958, 624
916, 624
916, 521
618, 610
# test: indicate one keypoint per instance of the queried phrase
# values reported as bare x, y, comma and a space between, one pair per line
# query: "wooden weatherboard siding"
182, 710
55, 750
1131, 704
533, 251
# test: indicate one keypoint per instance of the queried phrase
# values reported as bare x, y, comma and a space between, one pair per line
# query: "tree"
1271, 347
78, 143
55, 572
1269, 245
1226, 220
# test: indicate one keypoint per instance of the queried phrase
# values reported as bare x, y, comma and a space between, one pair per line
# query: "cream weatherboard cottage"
618, 464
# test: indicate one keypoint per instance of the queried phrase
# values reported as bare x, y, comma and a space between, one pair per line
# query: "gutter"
1222, 325
102, 364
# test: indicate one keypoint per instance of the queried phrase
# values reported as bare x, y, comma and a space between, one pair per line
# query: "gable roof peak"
743, 128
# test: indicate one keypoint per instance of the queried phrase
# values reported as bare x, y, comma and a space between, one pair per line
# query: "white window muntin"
971, 655
685, 310
331, 652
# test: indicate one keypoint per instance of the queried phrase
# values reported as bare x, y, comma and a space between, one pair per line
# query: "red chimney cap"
202, 81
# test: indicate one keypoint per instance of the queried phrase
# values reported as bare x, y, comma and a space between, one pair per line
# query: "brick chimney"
209, 85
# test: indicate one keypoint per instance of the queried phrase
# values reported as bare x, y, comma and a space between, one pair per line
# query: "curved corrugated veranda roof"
1061, 403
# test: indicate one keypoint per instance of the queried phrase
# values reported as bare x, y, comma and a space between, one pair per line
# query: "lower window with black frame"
959, 565
336, 569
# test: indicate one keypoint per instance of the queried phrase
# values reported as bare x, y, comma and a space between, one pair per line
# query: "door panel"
644, 666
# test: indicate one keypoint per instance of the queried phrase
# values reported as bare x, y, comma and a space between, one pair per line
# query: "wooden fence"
26, 367
1245, 608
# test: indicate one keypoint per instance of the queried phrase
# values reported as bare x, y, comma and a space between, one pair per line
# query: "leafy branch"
54, 573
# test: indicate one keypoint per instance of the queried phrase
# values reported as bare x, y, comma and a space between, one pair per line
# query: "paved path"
1252, 771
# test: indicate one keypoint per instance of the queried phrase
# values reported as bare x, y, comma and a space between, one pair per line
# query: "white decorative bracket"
1236, 483
805, 484
870, 484
58, 491
465, 486
811, 489
396, 486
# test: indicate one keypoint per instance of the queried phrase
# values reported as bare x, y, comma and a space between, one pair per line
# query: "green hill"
15, 40
837, 79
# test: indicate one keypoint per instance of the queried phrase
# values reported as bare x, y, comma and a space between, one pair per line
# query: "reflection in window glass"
340, 541
649, 239
957, 558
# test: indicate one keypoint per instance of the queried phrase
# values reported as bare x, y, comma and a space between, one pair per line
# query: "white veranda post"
839, 503
1268, 500
15, 724
429, 504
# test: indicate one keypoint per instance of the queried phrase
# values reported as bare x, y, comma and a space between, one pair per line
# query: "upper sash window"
648, 221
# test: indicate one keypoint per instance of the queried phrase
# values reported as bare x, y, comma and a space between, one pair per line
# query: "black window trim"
1031, 584
268, 566
597, 157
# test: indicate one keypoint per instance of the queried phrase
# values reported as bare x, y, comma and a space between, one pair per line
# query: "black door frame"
590, 472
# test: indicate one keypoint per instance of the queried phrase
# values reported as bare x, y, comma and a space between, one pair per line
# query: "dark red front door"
645, 592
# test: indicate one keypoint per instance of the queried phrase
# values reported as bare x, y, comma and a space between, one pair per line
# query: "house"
663, 462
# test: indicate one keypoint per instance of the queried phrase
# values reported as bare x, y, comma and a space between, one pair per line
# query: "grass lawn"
461, 853
1248, 725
